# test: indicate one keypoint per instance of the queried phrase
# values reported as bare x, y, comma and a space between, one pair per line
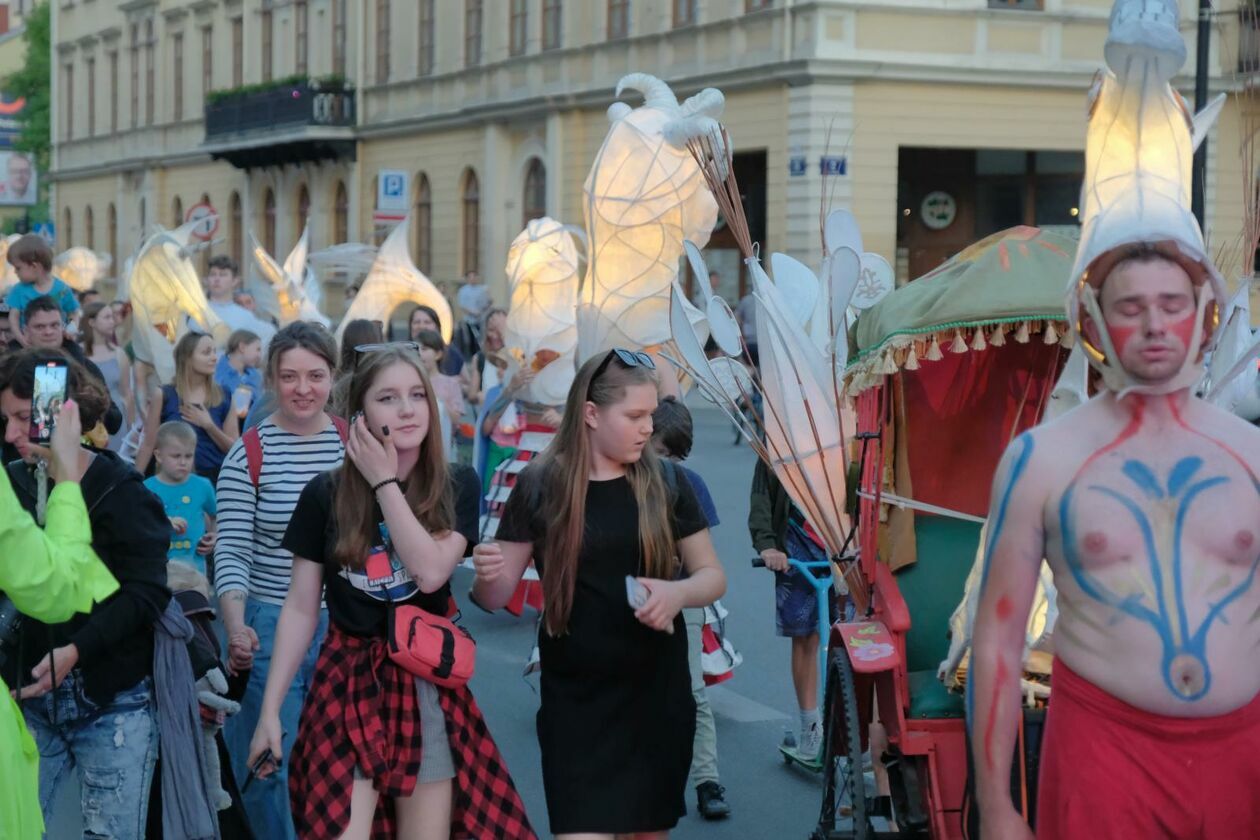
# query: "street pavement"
769, 800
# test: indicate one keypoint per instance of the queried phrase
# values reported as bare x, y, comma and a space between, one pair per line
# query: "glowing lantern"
167, 299
394, 280
80, 268
290, 292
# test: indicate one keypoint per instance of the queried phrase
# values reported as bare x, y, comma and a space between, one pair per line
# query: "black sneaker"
711, 801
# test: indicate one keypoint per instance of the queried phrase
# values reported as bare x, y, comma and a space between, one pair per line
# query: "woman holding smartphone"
377, 745
602, 516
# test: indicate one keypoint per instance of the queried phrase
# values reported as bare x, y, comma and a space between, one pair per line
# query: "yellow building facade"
938, 122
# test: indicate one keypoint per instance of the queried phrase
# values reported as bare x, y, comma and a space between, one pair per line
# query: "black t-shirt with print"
358, 598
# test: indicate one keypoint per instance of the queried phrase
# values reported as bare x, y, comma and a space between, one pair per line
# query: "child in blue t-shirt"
187, 498
32, 259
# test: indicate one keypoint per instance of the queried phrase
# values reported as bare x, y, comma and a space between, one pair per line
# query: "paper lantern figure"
1232, 373
290, 292
394, 280
348, 259
643, 197
81, 268
8, 274
542, 270
1138, 151
167, 299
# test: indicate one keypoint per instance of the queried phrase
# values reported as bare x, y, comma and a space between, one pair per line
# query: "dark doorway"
722, 252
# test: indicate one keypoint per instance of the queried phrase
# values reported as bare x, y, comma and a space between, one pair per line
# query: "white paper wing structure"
351, 259
285, 291
394, 280
642, 199
1232, 371
543, 278
167, 299
80, 268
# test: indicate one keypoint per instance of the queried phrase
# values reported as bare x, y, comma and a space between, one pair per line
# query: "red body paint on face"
998, 679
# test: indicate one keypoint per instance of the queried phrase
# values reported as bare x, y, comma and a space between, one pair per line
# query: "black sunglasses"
361, 349
629, 358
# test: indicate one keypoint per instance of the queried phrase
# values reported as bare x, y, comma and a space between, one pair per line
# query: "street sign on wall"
391, 190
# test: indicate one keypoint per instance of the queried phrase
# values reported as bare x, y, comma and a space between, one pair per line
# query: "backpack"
254, 452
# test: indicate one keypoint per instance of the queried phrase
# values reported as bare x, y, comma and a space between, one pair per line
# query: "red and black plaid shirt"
363, 709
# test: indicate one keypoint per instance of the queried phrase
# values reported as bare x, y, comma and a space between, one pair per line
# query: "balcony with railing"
288, 121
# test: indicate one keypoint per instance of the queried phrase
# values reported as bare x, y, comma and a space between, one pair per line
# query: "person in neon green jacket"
50, 574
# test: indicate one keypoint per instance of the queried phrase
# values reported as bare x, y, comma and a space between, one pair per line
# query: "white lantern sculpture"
8, 275
642, 199
290, 292
167, 299
542, 270
395, 280
81, 268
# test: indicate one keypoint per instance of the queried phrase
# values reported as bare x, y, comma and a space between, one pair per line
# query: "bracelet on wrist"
380, 484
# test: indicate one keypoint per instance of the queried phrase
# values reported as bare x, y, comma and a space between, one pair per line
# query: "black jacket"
131, 535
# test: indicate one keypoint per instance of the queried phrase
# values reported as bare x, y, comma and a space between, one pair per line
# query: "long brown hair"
89, 334
564, 472
184, 376
428, 490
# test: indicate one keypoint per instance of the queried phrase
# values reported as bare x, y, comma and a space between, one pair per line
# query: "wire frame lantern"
81, 268
287, 292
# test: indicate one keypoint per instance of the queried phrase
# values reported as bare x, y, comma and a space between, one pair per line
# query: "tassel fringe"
934, 353
958, 345
1021, 334
977, 341
912, 360
1051, 336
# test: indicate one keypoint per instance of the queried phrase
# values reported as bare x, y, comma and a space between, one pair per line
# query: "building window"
267, 33
269, 220
113, 93
134, 56
339, 38
177, 49
471, 222
534, 200
91, 97
203, 261
424, 44
757, 5
89, 228
234, 227
67, 229
684, 13
552, 24
303, 207
144, 219
472, 33
177, 212
301, 25
518, 27
423, 221
238, 52
207, 59
382, 41
1025, 5
67, 73
111, 221
341, 214
150, 77
618, 19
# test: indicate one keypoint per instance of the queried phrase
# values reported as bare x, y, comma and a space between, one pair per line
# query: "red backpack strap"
343, 428
253, 454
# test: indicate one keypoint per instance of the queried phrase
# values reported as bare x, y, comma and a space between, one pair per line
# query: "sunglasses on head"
629, 358
361, 349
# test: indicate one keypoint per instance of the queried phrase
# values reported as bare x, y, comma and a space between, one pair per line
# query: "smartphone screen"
46, 401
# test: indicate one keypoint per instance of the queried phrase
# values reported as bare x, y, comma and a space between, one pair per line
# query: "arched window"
303, 209
203, 259
471, 222
144, 222
111, 220
89, 228
235, 242
422, 219
534, 200
177, 212
269, 221
67, 229
341, 214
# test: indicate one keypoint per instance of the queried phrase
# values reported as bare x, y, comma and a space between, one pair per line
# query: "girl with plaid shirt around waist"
380, 752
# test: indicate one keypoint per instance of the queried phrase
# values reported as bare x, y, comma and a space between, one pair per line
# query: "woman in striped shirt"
252, 571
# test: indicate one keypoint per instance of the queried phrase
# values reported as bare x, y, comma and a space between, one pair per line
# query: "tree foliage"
33, 82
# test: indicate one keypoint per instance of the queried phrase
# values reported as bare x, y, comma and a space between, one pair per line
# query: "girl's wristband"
379, 485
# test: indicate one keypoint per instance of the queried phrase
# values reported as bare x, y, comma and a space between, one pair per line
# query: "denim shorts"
796, 604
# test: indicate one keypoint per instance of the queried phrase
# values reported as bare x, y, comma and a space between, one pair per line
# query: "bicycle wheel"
845, 810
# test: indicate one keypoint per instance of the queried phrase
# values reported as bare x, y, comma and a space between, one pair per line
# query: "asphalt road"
768, 799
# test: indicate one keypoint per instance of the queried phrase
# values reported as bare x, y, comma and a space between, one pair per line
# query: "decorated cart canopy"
1008, 286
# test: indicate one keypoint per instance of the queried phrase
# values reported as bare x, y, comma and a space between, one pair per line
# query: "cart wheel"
844, 781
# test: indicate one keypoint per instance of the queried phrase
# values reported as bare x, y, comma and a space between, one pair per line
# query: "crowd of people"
271, 512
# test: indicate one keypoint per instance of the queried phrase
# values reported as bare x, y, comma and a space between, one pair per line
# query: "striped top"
248, 556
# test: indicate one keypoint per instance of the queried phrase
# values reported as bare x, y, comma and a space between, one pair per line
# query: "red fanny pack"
433, 648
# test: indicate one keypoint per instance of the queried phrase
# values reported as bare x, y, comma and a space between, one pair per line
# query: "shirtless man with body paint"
1148, 509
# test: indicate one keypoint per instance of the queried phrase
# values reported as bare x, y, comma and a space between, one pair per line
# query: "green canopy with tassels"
1011, 282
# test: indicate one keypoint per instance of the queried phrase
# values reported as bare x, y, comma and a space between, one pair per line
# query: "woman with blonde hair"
99, 328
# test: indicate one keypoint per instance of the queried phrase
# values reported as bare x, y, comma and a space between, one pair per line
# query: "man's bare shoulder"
1227, 428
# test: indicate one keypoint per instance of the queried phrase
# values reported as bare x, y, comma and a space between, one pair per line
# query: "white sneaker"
810, 742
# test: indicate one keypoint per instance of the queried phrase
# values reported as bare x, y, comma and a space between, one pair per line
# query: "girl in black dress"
380, 752
595, 508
